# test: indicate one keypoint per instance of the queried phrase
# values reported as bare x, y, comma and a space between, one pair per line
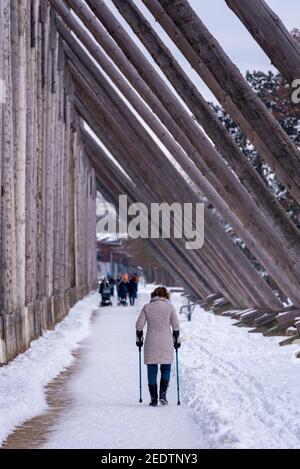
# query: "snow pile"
243, 389
23, 381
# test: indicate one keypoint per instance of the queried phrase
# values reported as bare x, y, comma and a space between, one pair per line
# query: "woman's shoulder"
159, 303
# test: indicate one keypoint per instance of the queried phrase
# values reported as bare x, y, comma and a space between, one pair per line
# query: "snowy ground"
105, 394
242, 388
239, 390
22, 382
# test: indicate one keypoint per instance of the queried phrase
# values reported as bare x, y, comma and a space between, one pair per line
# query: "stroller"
122, 293
105, 297
122, 301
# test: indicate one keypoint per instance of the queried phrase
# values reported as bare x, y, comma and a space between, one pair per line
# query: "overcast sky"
230, 32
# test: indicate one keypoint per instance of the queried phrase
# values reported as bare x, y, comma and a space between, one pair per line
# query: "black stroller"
105, 296
122, 293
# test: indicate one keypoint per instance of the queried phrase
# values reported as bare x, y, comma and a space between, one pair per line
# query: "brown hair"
162, 292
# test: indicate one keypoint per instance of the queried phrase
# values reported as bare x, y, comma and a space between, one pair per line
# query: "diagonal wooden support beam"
79, 31
204, 267
114, 176
262, 129
267, 248
271, 34
267, 203
111, 192
174, 149
191, 265
160, 255
115, 183
208, 215
96, 99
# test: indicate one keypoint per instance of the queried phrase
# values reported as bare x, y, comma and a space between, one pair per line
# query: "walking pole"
140, 368
177, 372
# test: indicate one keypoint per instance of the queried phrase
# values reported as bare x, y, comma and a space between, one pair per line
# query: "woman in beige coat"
160, 316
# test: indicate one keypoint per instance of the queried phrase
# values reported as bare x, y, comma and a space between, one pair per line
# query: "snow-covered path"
105, 412
238, 390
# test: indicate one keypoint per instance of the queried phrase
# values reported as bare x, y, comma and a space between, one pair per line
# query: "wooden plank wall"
48, 189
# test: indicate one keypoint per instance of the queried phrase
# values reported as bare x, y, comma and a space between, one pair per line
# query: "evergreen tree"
276, 94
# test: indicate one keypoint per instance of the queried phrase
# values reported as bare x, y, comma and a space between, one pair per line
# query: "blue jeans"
153, 370
131, 300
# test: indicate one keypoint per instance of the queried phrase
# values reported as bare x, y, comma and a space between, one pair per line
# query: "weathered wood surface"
237, 258
249, 315
230, 313
236, 198
131, 156
185, 88
248, 319
113, 182
113, 51
123, 185
271, 34
266, 319
136, 160
152, 168
38, 158
210, 61
291, 340
240, 261
287, 316
47, 208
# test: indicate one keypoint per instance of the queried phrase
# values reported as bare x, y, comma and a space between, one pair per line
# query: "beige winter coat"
160, 316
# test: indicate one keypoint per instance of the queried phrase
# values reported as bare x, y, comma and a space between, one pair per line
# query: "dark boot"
163, 391
153, 394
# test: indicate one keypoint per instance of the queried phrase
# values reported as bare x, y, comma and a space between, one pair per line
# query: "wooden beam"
271, 34
115, 183
267, 203
47, 212
143, 191
71, 21
144, 196
212, 64
227, 185
106, 104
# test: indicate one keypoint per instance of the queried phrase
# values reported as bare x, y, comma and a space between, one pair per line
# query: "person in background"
162, 321
118, 281
103, 284
132, 289
123, 292
112, 283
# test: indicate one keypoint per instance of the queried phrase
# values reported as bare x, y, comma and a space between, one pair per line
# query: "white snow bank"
243, 389
22, 398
